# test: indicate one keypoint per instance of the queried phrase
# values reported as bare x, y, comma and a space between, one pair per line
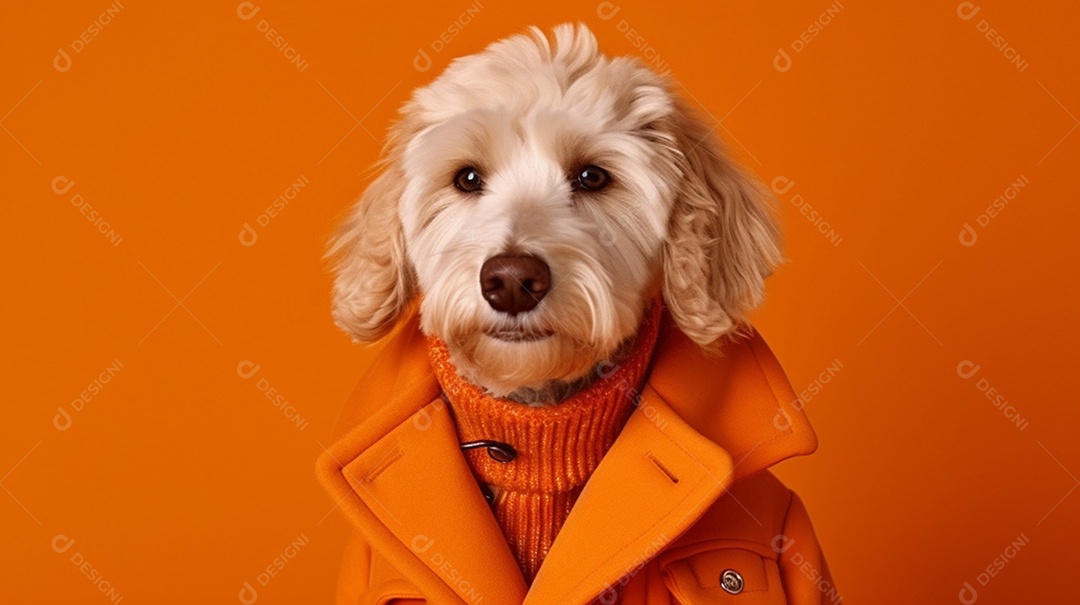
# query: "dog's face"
537, 197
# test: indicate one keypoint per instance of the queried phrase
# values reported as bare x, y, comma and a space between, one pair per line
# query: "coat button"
731, 581
488, 493
498, 451
501, 452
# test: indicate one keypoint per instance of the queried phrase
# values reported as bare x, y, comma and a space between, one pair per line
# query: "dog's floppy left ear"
374, 282
722, 238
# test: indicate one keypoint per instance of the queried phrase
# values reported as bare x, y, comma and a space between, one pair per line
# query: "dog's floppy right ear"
723, 240
374, 282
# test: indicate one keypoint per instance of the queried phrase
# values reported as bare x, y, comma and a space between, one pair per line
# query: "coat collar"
401, 479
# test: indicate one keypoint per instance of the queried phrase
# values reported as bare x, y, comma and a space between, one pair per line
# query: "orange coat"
682, 497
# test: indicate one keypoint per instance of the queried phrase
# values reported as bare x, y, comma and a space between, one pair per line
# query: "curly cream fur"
722, 240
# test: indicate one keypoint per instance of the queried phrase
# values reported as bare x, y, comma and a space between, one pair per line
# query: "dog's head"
535, 197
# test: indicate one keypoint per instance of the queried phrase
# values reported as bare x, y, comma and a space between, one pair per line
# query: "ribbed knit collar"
558, 446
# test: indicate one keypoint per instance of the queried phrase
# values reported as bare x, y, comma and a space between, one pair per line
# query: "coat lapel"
703, 422
659, 477
401, 479
419, 486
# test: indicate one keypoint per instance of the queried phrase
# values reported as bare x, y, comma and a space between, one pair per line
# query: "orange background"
178, 124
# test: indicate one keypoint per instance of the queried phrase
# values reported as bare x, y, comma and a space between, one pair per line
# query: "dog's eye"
468, 179
591, 178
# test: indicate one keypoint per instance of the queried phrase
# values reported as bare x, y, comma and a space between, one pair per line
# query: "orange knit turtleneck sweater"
558, 447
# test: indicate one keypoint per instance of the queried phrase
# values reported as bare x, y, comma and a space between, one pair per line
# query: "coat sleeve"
803, 569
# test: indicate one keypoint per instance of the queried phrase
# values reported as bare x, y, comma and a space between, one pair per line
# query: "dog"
571, 406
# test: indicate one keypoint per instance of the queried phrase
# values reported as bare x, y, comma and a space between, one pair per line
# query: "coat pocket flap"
393, 592
724, 575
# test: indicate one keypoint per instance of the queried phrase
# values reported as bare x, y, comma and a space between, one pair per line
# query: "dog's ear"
723, 240
374, 282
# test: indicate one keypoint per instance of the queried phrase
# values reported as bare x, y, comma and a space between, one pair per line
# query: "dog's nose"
514, 284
